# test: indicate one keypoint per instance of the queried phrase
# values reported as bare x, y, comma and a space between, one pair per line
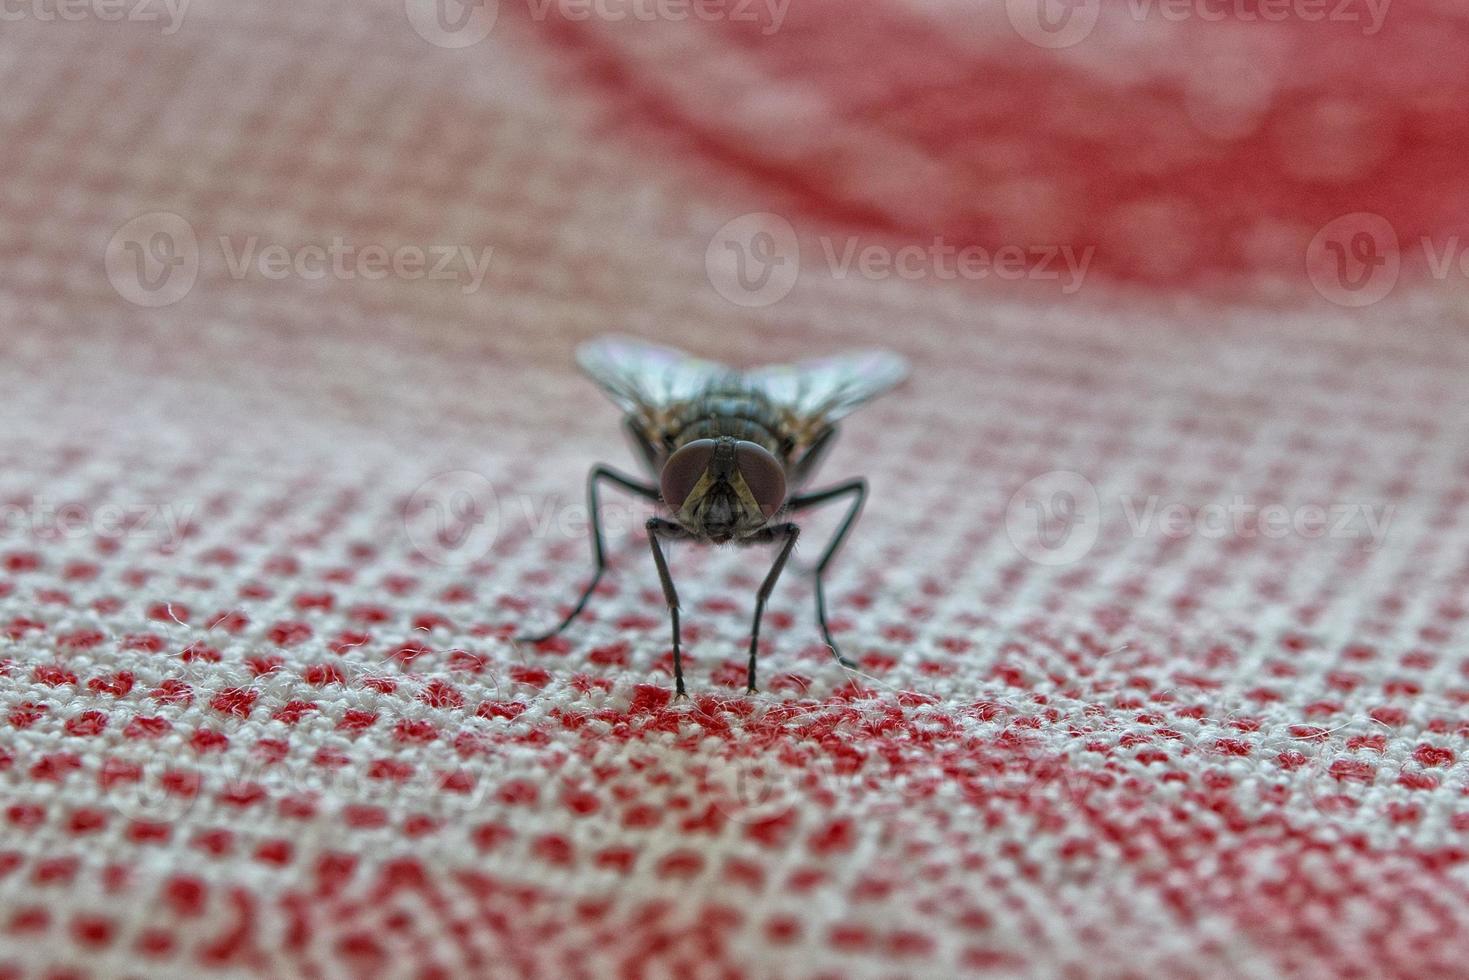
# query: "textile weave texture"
1158, 601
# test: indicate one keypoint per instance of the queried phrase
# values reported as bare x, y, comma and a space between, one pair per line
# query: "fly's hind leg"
599, 548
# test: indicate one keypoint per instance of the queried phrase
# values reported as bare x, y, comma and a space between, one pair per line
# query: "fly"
728, 454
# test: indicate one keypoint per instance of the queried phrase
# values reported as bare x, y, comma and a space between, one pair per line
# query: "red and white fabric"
263, 734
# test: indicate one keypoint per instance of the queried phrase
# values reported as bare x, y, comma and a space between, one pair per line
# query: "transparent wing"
643, 378
817, 393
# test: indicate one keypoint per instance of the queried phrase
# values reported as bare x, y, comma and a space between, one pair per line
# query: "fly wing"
813, 395
652, 384
648, 381
638, 375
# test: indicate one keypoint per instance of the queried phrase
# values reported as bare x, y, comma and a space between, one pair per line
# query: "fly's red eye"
763, 475
683, 470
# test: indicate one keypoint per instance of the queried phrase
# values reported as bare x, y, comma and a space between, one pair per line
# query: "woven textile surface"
1158, 601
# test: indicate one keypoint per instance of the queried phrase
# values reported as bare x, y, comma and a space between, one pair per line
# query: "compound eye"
763, 474
682, 471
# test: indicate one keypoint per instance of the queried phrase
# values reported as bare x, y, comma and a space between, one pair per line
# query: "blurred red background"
1192, 144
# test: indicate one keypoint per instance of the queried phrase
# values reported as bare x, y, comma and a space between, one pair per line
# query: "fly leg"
857, 490
599, 549
658, 527
790, 532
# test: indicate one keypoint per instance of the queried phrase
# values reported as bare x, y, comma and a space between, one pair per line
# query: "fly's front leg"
599, 548
658, 527
790, 532
857, 490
